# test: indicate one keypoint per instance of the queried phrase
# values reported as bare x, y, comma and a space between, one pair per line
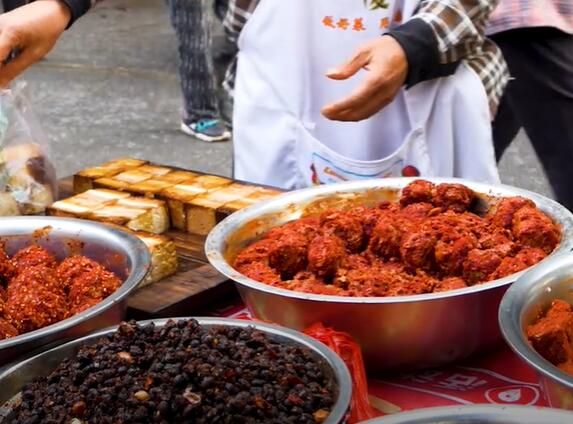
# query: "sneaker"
206, 130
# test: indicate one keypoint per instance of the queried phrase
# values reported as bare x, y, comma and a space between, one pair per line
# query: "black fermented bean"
181, 373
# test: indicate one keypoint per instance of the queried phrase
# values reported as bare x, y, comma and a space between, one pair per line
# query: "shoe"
206, 130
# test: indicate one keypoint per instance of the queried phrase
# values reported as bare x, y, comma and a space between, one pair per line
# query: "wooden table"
190, 291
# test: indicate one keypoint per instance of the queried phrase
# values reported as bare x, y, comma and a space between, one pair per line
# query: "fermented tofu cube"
154, 170
125, 163
137, 219
259, 195
65, 208
158, 209
210, 182
122, 181
201, 212
133, 176
149, 188
176, 197
163, 253
133, 218
104, 196
178, 177
110, 183
83, 180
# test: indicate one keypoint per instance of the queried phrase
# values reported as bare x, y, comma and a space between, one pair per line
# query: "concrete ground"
110, 88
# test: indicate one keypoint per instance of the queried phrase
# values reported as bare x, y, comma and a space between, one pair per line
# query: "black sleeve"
418, 41
77, 8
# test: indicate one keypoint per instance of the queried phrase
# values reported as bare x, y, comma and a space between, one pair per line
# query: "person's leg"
541, 61
192, 23
505, 125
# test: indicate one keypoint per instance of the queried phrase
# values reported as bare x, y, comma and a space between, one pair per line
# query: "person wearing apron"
439, 127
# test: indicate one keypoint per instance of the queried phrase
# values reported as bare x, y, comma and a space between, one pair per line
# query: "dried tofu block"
259, 195
149, 188
133, 176
123, 215
201, 211
137, 219
163, 253
122, 181
83, 180
125, 163
210, 182
179, 195
68, 209
178, 177
157, 208
176, 197
110, 183
154, 170
104, 196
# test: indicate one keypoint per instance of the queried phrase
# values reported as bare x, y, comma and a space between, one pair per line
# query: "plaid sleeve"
458, 25
237, 16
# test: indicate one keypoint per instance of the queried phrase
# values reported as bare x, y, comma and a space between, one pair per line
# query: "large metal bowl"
13, 379
530, 295
120, 252
394, 332
479, 414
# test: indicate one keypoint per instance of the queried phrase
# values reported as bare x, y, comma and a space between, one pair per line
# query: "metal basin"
120, 252
395, 333
521, 305
479, 414
13, 379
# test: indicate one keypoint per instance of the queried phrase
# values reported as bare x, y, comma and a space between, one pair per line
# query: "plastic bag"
27, 176
345, 347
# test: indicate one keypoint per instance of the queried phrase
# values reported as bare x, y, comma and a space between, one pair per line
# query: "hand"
31, 30
387, 67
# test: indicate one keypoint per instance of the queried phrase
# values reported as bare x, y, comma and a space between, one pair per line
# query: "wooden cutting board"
190, 291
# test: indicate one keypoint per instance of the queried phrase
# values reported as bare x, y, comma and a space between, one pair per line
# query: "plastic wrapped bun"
26, 172
8, 206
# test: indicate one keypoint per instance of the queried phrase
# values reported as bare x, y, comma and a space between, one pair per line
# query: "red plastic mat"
498, 378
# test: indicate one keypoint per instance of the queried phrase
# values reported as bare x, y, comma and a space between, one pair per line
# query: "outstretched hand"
28, 33
386, 65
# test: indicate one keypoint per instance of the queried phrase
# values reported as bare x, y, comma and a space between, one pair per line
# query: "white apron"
437, 128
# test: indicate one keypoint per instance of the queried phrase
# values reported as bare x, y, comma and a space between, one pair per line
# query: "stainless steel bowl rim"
216, 239
338, 367
510, 318
525, 414
139, 250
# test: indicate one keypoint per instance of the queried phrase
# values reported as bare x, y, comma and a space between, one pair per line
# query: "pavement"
110, 88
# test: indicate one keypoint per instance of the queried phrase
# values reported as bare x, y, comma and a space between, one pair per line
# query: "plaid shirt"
459, 27
511, 14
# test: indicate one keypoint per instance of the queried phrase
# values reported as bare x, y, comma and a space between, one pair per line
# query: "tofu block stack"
150, 199
114, 207
195, 202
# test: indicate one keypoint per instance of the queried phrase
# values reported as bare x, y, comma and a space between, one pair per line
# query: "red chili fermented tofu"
552, 334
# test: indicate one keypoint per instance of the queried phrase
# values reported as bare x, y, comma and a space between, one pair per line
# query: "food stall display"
409, 273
